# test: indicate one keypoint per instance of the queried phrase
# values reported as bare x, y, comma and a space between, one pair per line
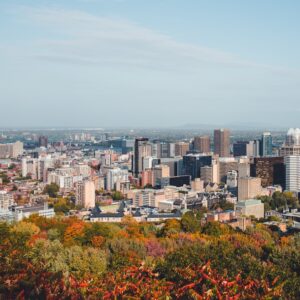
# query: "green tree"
117, 195
212, 228
189, 222
85, 262
63, 205
52, 190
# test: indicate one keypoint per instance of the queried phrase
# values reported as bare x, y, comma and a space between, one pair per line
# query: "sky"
141, 63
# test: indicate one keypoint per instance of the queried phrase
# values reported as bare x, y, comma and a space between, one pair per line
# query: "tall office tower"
181, 148
142, 148
210, 173
174, 164
248, 188
222, 142
164, 150
266, 144
159, 172
293, 137
6, 200
244, 148
160, 149
43, 141
291, 146
292, 172
171, 149
156, 149
226, 164
271, 170
243, 169
202, 144
85, 193
256, 148
192, 164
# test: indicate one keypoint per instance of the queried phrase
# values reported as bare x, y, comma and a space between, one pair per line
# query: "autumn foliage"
66, 258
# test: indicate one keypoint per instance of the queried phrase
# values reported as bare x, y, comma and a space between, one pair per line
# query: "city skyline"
149, 149
159, 64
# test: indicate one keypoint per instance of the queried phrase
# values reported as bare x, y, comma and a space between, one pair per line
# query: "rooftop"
248, 202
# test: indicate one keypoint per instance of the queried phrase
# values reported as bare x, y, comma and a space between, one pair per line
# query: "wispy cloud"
90, 39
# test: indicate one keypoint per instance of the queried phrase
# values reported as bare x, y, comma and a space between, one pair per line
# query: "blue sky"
149, 63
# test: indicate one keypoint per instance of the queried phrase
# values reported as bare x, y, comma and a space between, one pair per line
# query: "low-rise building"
250, 207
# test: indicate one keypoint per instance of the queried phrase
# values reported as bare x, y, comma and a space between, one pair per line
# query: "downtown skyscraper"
222, 142
142, 148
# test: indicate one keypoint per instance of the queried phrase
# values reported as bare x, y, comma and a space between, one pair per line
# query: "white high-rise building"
44, 163
30, 167
291, 147
116, 178
292, 172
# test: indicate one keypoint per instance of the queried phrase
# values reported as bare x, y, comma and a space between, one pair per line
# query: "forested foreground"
66, 258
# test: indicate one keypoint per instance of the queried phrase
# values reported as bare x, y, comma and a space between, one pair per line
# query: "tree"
25, 228
212, 228
189, 222
5, 179
84, 263
117, 195
74, 233
171, 226
12, 166
225, 205
52, 190
63, 205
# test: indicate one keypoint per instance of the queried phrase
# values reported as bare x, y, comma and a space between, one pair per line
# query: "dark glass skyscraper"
266, 144
193, 163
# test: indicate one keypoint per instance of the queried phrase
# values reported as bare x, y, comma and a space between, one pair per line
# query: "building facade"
249, 188
292, 173
222, 142
202, 144
85, 193
271, 170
